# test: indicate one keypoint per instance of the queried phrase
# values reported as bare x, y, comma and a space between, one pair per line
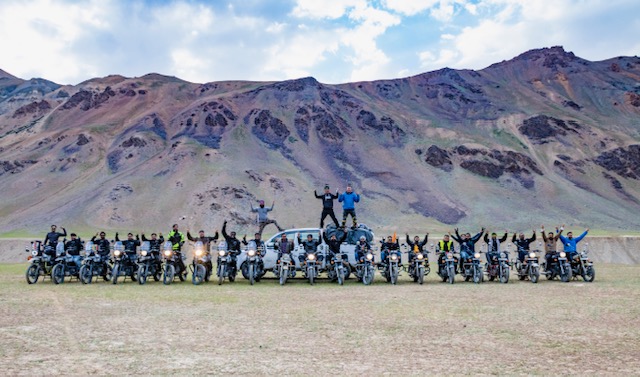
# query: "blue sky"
335, 41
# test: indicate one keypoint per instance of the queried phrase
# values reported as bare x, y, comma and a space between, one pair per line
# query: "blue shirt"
571, 245
349, 200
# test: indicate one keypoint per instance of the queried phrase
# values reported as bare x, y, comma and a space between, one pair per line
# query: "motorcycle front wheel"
589, 275
534, 274
57, 274
115, 272
169, 274
198, 274
86, 274
142, 275
251, 271
33, 274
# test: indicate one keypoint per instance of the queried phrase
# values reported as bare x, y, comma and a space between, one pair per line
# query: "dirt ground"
547, 328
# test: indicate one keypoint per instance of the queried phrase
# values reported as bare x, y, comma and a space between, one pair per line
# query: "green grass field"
547, 328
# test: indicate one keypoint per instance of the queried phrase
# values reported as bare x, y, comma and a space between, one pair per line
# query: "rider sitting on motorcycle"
233, 245
130, 246
362, 247
416, 246
103, 246
550, 244
467, 245
334, 243
73, 248
493, 245
310, 246
260, 248
206, 242
176, 237
284, 246
571, 244
444, 246
523, 245
155, 245
388, 247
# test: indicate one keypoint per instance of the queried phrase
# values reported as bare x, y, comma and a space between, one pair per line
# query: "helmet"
363, 238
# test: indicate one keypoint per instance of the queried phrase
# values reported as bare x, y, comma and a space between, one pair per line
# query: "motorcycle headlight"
167, 253
503, 255
34, 253
143, 253
222, 253
532, 255
311, 256
449, 255
394, 257
476, 255
420, 256
563, 254
117, 253
199, 252
251, 253
369, 256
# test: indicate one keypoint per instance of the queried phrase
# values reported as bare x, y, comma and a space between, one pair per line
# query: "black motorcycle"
201, 264
581, 265
498, 267
253, 266
338, 268
447, 266
530, 268
391, 266
419, 267
94, 265
365, 269
224, 264
65, 266
472, 269
559, 266
172, 265
124, 264
42, 261
148, 264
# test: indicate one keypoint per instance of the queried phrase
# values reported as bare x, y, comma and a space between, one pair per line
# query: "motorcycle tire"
169, 274
32, 274
86, 275
566, 277
589, 275
504, 277
420, 277
221, 273
251, 271
158, 275
108, 275
182, 275
347, 272
283, 277
244, 269
114, 273
367, 276
477, 276
534, 274
394, 275
57, 274
451, 276
142, 275
340, 276
198, 274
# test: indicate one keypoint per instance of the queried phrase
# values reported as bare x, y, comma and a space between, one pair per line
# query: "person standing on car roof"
349, 200
263, 218
327, 205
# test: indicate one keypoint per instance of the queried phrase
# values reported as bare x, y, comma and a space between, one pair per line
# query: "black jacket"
130, 245
104, 246
73, 247
52, 237
205, 240
334, 246
309, 246
523, 244
233, 244
154, 245
327, 199
492, 247
259, 245
419, 244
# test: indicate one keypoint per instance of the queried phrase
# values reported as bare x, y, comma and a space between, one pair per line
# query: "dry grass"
519, 328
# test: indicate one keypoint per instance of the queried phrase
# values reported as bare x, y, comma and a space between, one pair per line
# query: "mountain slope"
544, 137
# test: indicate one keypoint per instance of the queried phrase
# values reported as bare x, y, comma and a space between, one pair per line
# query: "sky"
335, 41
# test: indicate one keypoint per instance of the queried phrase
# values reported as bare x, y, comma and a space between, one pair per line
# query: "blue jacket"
349, 200
571, 245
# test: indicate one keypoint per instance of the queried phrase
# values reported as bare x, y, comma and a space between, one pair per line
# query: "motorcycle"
311, 270
583, 266
530, 268
364, 269
419, 266
201, 265
253, 267
41, 262
285, 269
447, 266
148, 264
498, 267
559, 266
65, 265
472, 269
224, 270
93, 265
338, 269
123, 264
172, 267
391, 266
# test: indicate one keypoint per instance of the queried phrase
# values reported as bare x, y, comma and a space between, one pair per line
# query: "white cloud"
323, 9
409, 7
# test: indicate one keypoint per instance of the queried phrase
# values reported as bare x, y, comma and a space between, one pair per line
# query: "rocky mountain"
546, 137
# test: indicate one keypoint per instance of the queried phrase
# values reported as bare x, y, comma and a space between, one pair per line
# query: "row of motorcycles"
561, 266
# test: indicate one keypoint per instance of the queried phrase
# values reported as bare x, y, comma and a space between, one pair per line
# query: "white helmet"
363, 238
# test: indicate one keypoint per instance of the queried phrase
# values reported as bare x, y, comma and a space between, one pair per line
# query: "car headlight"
532, 255
476, 255
222, 253
420, 256
117, 253
311, 256
143, 253
167, 253
369, 256
199, 252
394, 257
251, 252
